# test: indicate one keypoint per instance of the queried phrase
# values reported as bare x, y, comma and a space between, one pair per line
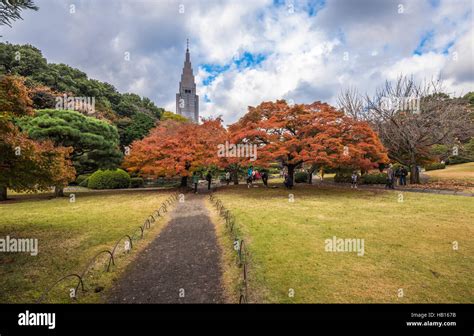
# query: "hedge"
109, 179
452, 160
137, 182
301, 177
84, 183
377, 178
435, 166
343, 177
81, 178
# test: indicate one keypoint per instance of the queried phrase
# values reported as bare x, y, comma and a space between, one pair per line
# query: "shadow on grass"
45, 196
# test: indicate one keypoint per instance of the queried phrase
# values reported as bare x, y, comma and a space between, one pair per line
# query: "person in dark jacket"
397, 174
195, 182
265, 178
390, 177
209, 180
403, 175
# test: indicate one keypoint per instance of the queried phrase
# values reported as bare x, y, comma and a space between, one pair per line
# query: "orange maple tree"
25, 164
176, 148
308, 133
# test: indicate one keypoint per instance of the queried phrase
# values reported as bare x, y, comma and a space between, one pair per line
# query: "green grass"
408, 245
69, 235
461, 172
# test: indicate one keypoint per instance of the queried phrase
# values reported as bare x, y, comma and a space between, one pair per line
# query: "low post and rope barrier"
128, 245
238, 244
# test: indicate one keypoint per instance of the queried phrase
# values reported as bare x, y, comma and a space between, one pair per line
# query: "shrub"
84, 183
452, 160
435, 166
301, 177
273, 171
81, 178
376, 178
109, 179
343, 177
136, 182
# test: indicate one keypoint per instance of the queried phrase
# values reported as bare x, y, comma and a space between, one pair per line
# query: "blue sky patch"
248, 60
312, 7
425, 39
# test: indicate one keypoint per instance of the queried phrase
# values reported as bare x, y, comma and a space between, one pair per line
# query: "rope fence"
238, 245
124, 248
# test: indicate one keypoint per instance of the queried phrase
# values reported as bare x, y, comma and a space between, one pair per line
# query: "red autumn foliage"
25, 164
314, 133
176, 148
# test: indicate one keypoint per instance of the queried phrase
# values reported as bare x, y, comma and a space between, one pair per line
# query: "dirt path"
182, 265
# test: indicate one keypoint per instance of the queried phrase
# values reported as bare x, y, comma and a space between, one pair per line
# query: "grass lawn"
69, 235
408, 245
461, 172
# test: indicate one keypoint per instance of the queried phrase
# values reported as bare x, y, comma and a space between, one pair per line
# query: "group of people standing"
253, 175
399, 173
196, 181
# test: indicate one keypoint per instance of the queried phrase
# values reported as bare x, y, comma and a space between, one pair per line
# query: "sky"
248, 51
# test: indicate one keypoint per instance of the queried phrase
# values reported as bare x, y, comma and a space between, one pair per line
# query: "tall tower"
187, 102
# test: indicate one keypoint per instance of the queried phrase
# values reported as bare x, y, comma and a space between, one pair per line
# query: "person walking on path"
227, 177
403, 176
397, 174
195, 182
209, 180
265, 178
249, 176
354, 179
390, 176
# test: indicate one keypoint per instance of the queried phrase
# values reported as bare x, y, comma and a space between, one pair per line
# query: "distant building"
187, 102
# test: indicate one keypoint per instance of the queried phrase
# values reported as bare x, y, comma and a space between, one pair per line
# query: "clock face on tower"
187, 102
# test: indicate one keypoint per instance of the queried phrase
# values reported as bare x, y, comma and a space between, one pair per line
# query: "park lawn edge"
122, 267
228, 260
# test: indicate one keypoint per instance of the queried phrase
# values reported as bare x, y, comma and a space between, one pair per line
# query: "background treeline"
133, 115
43, 145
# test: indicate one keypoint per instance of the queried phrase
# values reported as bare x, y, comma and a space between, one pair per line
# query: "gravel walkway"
182, 265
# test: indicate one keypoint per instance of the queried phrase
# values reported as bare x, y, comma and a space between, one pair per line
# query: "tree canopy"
409, 131
26, 164
46, 81
11, 10
176, 148
95, 142
314, 133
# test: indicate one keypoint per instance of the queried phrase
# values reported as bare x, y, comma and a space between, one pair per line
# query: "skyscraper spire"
187, 102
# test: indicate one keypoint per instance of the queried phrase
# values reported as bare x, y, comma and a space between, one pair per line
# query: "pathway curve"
181, 265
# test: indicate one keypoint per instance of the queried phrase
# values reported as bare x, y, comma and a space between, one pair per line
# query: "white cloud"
304, 54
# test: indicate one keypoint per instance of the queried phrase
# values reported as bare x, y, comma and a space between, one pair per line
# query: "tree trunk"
3, 193
58, 191
291, 174
311, 172
414, 174
184, 181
